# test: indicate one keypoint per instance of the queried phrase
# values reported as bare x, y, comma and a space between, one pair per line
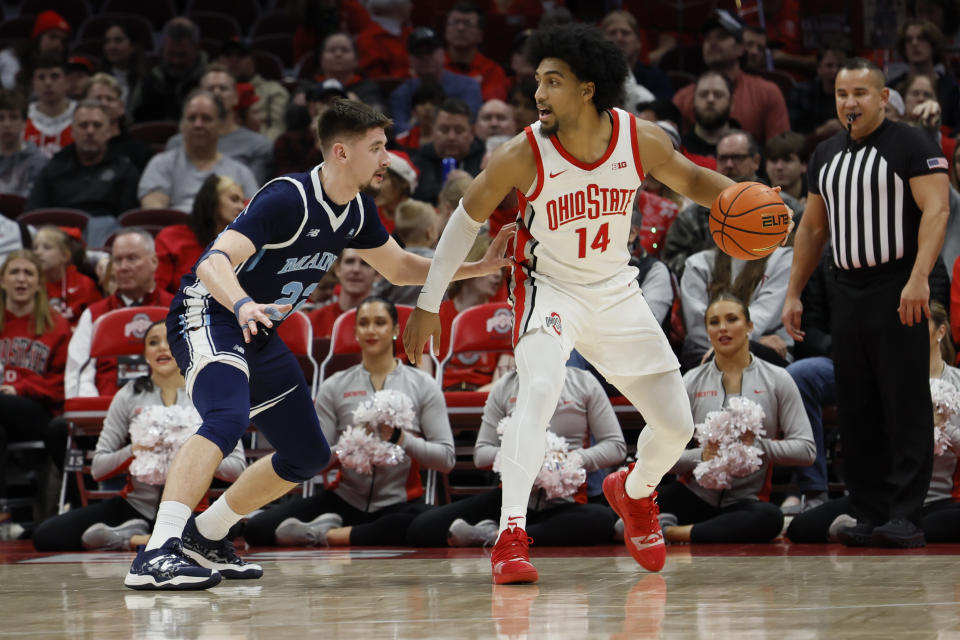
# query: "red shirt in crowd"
323, 318
758, 105
32, 364
177, 251
380, 54
107, 368
71, 295
657, 214
490, 75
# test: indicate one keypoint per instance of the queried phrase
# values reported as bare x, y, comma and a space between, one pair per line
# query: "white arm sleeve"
457, 239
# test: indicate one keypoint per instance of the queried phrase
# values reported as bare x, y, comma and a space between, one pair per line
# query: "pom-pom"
162, 430
946, 405
360, 448
562, 472
734, 459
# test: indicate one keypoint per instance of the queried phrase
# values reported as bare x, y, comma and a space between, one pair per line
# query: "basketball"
748, 220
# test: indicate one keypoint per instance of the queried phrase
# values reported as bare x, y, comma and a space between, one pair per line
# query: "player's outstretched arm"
673, 169
807, 249
512, 166
215, 272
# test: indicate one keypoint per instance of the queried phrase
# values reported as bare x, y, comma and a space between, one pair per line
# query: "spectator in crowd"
522, 99
472, 371
49, 116
711, 119
13, 236
85, 175
454, 147
585, 419
134, 263
760, 284
786, 164
238, 59
921, 108
296, 149
338, 61
654, 277
895, 107
426, 100
449, 197
78, 72
20, 161
110, 524
172, 178
48, 37
519, 65
105, 89
68, 291
738, 158
250, 113
219, 201
755, 59
464, 35
356, 280
940, 516
315, 20
124, 60
399, 182
495, 118
692, 513
620, 27
33, 350
377, 508
166, 86
758, 104
920, 44
416, 230
813, 106
382, 42
426, 61
239, 143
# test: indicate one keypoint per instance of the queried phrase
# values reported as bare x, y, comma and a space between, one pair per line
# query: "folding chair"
275, 23
152, 217
140, 29
115, 333
11, 205
155, 132
216, 26
158, 12
246, 12
297, 333
59, 216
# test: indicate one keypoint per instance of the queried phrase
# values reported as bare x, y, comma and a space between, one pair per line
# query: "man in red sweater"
464, 35
134, 264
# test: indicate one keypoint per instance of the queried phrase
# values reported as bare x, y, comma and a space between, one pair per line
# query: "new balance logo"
313, 233
238, 348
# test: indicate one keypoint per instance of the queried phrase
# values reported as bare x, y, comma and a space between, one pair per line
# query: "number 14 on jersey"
599, 243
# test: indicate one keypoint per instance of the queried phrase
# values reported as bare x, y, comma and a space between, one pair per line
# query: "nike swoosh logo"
758, 390
639, 543
554, 175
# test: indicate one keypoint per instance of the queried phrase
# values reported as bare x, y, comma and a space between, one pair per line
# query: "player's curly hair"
590, 56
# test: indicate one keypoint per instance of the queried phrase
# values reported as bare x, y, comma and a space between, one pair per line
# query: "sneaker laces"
512, 545
643, 510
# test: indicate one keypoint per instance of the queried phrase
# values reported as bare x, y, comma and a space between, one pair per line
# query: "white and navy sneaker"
167, 568
218, 555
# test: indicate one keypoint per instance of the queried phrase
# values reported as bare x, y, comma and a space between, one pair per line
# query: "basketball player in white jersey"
579, 167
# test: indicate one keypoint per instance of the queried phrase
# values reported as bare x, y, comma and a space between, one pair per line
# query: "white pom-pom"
734, 459
562, 472
162, 430
387, 406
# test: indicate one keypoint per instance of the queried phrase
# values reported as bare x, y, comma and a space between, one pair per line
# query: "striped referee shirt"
865, 185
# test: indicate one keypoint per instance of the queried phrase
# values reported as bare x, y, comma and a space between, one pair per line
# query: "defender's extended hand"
420, 326
495, 259
251, 313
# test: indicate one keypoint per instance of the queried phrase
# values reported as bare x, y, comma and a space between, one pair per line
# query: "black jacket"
105, 189
431, 168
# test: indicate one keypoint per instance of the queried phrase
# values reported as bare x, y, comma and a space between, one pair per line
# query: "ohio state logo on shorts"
553, 320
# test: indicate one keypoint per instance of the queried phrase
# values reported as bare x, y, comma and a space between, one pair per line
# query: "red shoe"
511, 558
641, 530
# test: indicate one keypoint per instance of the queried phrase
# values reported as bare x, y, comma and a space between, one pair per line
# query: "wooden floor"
741, 592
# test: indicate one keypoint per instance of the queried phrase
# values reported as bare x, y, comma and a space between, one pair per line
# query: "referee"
880, 190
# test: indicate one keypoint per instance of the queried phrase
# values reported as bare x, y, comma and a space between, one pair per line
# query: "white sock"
637, 486
509, 518
215, 522
172, 517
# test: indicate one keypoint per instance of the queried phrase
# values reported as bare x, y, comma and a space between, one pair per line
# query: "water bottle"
449, 164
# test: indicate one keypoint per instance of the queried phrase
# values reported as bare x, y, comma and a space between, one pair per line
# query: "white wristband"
457, 239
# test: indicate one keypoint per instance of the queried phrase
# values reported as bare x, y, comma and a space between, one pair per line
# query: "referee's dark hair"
350, 119
856, 64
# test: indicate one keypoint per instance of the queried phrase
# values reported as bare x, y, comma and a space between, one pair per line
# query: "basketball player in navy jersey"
579, 167
259, 270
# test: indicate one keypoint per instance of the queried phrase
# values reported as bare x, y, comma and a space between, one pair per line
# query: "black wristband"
239, 303
395, 436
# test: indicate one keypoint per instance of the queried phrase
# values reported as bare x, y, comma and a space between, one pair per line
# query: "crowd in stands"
197, 122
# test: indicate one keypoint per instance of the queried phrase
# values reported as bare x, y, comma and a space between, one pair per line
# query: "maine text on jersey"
322, 260
590, 203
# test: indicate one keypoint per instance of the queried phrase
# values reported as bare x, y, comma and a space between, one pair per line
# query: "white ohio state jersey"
577, 227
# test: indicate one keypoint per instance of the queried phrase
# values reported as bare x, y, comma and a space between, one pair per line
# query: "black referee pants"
883, 397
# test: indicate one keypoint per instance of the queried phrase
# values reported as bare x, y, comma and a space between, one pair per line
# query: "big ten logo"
618, 165
500, 322
774, 220
137, 327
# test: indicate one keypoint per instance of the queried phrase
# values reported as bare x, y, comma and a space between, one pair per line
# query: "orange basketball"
748, 220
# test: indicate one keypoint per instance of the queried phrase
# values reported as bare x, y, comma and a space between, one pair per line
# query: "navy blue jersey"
297, 234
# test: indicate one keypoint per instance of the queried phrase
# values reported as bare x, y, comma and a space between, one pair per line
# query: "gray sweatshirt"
582, 411
114, 451
944, 481
765, 304
430, 447
788, 439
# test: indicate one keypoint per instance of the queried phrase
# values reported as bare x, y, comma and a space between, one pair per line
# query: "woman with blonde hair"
33, 354
68, 290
